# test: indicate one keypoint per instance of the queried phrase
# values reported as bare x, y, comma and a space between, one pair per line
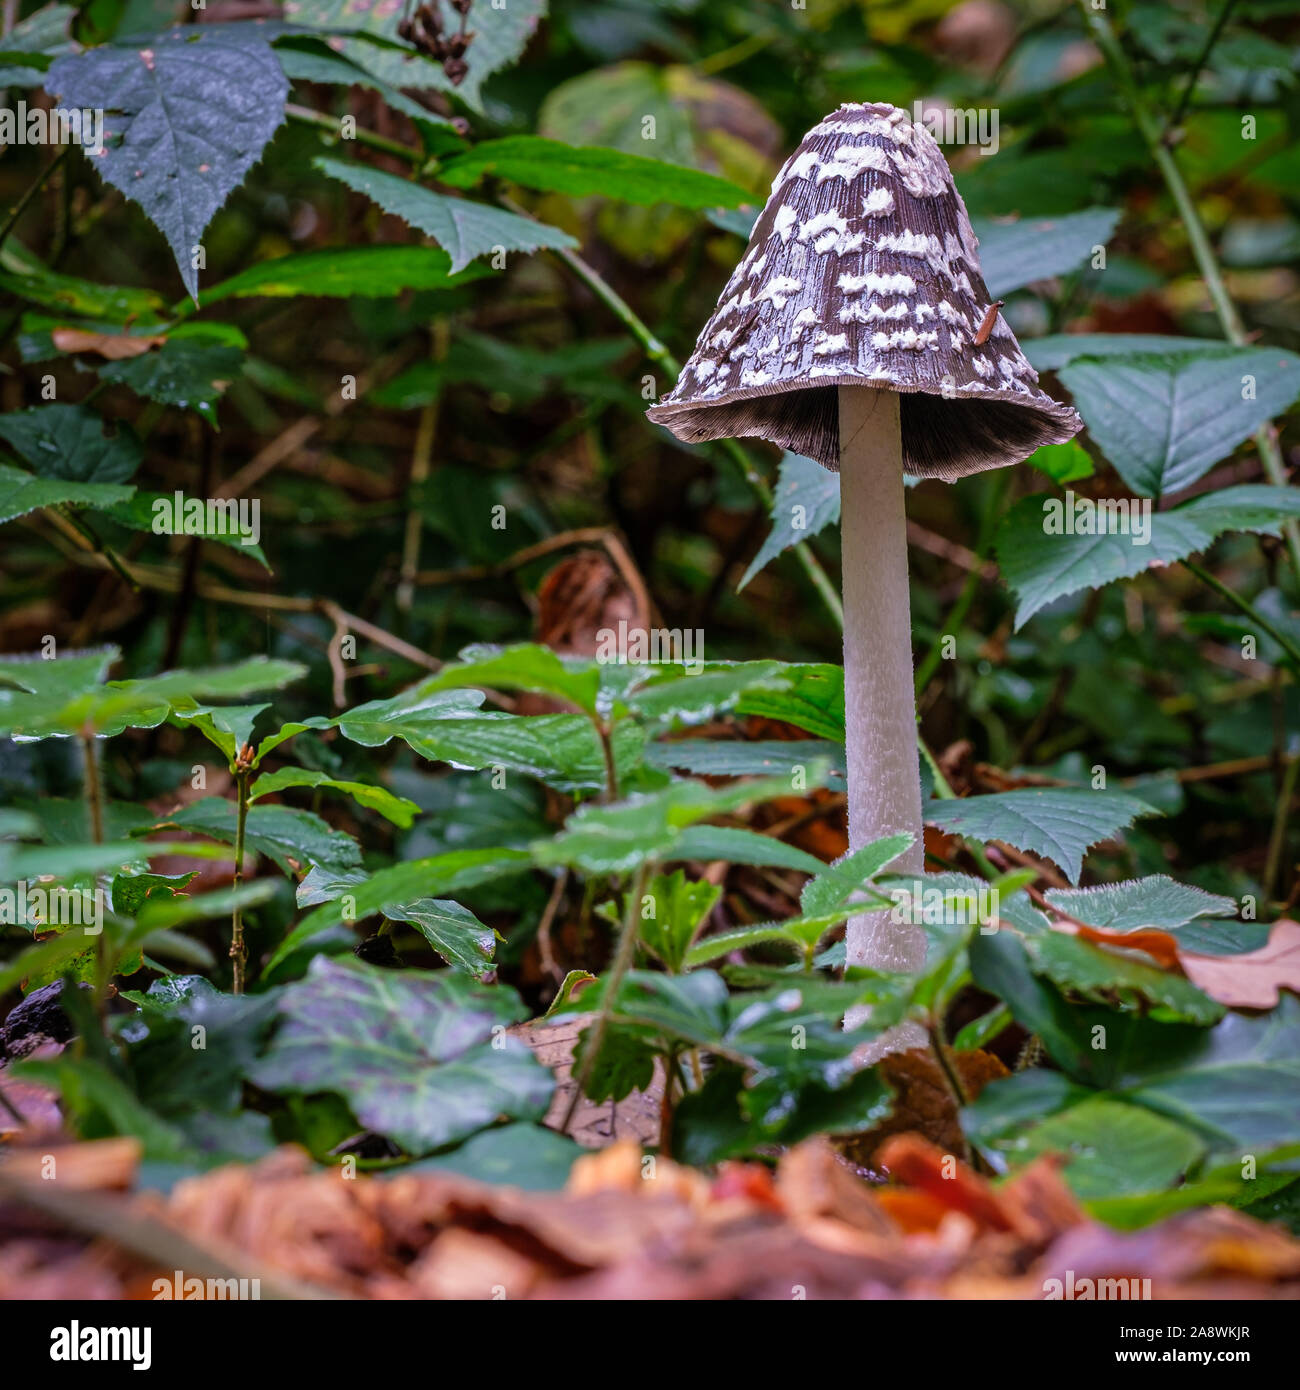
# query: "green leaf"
1042, 567
70, 442
21, 493
187, 118
130, 891
551, 166
813, 700
806, 500
188, 373
140, 512
1060, 349
618, 837
1015, 254
1157, 901
453, 931
1126, 981
1063, 463
228, 727
500, 36
32, 42
1060, 823
835, 886
739, 758
38, 284
1111, 1148
463, 228
679, 907
404, 883
738, 846
418, 1057
1164, 422
394, 808
295, 840
345, 272
528, 1157
523, 667
625, 1063
310, 60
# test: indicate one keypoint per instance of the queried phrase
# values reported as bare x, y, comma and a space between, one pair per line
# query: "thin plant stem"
238, 950
94, 792
1277, 835
623, 957
1245, 606
1270, 452
33, 189
1194, 76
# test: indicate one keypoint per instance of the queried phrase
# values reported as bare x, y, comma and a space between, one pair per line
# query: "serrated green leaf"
21, 493
836, 885
805, 501
187, 118
1157, 901
1015, 254
1164, 422
70, 442
187, 373
1043, 567
1060, 823
465, 229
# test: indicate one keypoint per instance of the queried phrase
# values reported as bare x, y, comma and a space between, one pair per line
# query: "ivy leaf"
1059, 823
186, 118
552, 166
1164, 422
21, 493
1042, 567
393, 808
418, 1057
345, 272
805, 501
1015, 254
1157, 901
70, 442
463, 228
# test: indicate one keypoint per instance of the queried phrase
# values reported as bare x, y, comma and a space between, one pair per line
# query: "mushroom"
858, 331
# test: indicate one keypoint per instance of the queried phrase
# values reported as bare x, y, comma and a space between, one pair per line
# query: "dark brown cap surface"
863, 270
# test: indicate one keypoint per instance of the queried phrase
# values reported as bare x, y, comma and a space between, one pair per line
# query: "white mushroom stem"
879, 700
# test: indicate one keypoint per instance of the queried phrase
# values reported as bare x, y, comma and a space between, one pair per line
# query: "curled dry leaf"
114, 347
1252, 980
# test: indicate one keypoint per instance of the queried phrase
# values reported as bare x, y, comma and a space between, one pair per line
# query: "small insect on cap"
863, 270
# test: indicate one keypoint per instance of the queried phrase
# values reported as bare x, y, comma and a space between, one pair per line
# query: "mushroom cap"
863, 270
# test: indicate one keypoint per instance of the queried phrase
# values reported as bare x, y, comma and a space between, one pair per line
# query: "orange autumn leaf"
1160, 945
115, 347
1252, 980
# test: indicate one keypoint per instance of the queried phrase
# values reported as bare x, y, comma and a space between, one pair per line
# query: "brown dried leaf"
1253, 980
115, 347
